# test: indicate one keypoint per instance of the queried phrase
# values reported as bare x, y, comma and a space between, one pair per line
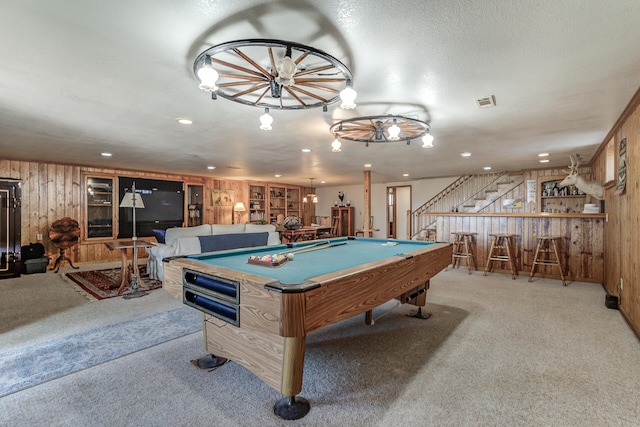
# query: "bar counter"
582, 240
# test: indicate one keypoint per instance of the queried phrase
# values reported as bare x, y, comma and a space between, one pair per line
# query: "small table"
302, 233
123, 245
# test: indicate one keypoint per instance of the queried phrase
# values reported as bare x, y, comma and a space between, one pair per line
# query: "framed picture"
222, 197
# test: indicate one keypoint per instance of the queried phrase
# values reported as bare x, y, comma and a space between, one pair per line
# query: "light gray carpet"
495, 352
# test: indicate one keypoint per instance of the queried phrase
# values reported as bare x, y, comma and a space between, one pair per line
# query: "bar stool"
547, 245
501, 250
430, 235
463, 248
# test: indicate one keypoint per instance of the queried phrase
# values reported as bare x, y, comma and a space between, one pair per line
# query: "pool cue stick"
317, 248
294, 251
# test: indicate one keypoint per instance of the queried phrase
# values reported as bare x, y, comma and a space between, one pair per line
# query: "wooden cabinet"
100, 199
553, 199
195, 202
347, 219
276, 203
267, 201
10, 218
257, 202
293, 202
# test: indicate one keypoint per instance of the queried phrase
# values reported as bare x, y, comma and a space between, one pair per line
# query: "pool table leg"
368, 318
209, 362
292, 407
419, 298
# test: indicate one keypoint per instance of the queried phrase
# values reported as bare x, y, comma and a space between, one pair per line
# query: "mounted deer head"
592, 188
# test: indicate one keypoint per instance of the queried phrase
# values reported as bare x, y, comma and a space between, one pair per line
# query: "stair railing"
451, 198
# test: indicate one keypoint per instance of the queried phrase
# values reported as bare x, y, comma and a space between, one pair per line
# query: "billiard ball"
290, 256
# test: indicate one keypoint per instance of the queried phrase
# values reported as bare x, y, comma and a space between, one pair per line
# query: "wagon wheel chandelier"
277, 74
381, 129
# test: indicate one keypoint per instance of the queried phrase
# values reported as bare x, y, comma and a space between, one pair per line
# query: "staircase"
469, 193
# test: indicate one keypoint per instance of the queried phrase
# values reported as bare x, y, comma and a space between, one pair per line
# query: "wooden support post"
367, 201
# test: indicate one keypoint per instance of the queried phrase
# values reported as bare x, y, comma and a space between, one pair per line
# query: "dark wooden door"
10, 199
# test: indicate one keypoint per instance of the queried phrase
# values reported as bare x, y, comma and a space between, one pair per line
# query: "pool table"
259, 315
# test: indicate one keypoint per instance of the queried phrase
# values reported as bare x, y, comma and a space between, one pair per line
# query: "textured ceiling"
80, 77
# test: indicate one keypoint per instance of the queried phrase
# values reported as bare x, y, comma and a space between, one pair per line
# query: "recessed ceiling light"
544, 161
367, 165
184, 121
543, 154
323, 182
405, 174
487, 168
306, 150
105, 154
465, 154
211, 167
277, 175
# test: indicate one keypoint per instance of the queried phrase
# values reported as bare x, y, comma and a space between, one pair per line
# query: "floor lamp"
133, 200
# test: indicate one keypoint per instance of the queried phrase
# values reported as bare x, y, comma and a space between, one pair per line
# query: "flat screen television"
163, 206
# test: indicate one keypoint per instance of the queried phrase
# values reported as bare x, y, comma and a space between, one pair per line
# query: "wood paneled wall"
581, 243
622, 239
53, 191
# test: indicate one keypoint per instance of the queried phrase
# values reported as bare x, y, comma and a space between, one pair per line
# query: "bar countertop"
523, 215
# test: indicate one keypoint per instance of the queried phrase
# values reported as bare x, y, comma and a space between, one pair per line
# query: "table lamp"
239, 207
133, 200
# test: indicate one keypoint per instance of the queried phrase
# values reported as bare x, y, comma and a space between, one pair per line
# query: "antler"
573, 168
579, 160
575, 163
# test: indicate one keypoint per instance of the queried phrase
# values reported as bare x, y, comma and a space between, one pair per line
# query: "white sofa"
185, 241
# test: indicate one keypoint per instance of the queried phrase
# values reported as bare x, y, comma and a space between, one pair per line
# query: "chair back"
335, 226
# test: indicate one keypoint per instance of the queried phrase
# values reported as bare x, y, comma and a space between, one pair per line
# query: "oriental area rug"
103, 284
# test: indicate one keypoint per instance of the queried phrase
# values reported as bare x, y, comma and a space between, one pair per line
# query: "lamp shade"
286, 70
427, 141
132, 200
239, 207
208, 76
348, 97
394, 132
266, 120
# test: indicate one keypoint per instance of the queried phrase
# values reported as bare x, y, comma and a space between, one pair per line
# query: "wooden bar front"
581, 237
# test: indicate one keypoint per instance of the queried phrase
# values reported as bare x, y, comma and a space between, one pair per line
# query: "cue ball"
289, 256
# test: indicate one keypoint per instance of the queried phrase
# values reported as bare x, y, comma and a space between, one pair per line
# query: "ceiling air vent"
486, 102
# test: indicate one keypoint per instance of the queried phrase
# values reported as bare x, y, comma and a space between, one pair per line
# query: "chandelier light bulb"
348, 97
266, 120
336, 146
427, 141
286, 70
394, 132
208, 76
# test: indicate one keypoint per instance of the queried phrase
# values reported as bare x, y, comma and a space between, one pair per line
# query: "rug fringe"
77, 288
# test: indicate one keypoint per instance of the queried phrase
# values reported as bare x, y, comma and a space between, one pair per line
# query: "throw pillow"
159, 235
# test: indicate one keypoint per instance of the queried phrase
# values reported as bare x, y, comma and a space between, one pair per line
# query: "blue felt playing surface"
346, 254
